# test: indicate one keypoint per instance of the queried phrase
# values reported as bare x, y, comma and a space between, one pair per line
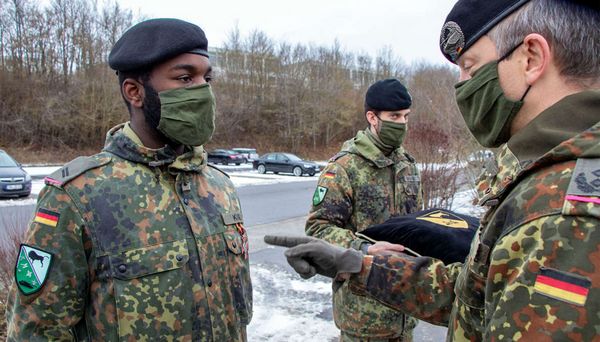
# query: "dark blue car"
14, 181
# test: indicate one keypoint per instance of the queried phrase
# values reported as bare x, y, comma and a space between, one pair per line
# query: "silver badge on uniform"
452, 40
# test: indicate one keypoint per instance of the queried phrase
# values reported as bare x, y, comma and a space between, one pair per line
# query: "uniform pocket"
152, 291
412, 185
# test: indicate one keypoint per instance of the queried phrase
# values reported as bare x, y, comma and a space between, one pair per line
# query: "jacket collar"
363, 146
556, 126
119, 141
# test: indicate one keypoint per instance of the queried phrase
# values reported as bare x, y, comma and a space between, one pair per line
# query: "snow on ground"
240, 179
40, 171
463, 204
289, 308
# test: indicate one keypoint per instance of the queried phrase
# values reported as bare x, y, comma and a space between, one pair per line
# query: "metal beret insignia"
452, 40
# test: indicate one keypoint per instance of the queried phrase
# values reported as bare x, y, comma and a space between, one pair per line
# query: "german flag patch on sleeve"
329, 175
46, 217
562, 286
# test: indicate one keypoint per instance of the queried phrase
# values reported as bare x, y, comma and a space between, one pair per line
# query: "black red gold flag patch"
329, 175
47, 217
562, 286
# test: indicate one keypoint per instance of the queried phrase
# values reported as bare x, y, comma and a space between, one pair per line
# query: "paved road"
276, 202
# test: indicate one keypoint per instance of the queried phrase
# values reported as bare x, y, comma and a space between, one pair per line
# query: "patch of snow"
10, 202
288, 308
463, 204
240, 179
40, 171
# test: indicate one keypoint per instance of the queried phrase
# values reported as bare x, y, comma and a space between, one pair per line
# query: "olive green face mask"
187, 115
392, 133
486, 110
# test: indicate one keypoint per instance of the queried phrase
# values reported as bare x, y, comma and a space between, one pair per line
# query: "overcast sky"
410, 28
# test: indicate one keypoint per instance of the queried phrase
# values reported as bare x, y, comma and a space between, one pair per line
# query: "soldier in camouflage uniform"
143, 241
369, 181
533, 272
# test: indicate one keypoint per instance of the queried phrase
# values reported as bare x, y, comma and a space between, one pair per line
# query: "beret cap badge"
452, 40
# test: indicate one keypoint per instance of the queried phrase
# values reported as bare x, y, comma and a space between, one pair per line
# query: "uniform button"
234, 245
122, 268
186, 201
179, 257
209, 283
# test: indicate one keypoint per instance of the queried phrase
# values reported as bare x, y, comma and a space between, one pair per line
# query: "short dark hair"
141, 75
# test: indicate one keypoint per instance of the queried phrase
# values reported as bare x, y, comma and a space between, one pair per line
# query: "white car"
249, 153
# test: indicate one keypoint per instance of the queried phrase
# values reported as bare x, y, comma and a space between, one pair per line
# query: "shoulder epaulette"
585, 181
338, 156
216, 168
584, 187
75, 168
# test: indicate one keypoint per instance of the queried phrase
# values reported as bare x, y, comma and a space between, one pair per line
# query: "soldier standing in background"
144, 240
369, 181
530, 81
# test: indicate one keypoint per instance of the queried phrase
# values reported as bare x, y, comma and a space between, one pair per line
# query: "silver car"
14, 181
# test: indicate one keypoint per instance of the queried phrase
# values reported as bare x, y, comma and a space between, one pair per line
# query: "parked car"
225, 157
249, 153
14, 181
284, 162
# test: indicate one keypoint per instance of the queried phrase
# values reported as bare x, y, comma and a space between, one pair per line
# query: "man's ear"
371, 118
133, 92
538, 56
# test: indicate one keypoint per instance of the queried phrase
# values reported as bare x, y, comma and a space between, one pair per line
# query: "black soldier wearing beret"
144, 240
369, 181
530, 85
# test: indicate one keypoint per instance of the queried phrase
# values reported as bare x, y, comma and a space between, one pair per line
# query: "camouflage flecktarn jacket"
360, 187
533, 273
142, 245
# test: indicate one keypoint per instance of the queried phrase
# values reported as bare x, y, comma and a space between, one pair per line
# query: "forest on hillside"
57, 91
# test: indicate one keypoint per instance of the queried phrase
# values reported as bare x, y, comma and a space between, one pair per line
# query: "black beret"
154, 41
388, 95
469, 20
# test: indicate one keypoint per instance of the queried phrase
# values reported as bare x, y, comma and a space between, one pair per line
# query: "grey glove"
309, 256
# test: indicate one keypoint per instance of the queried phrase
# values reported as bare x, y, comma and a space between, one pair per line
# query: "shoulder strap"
76, 167
338, 156
583, 192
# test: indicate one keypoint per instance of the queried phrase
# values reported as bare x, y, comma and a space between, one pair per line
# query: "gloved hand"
309, 256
